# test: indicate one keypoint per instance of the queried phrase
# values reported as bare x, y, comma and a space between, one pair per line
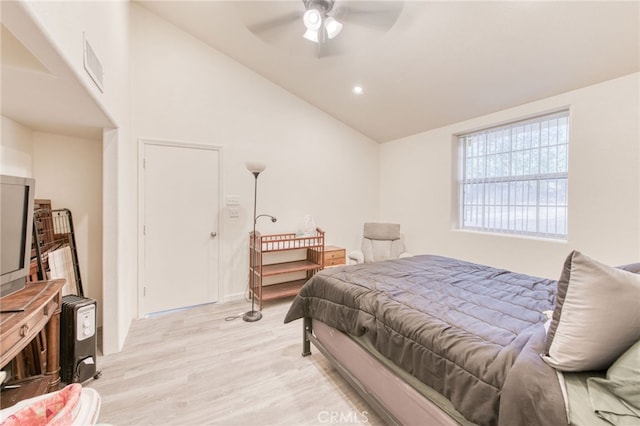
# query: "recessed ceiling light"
358, 90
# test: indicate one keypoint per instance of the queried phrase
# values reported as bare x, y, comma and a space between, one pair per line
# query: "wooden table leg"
53, 348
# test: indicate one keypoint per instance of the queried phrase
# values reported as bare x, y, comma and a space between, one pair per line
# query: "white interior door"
180, 243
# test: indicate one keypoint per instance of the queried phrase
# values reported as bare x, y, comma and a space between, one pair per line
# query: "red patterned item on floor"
59, 409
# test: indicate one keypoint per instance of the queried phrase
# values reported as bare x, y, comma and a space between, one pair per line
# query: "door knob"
214, 234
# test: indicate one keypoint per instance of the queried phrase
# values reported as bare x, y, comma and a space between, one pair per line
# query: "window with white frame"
514, 177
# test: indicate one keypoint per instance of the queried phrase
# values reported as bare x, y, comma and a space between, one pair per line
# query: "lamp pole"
253, 315
255, 168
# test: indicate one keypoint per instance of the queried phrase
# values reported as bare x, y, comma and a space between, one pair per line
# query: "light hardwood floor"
193, 367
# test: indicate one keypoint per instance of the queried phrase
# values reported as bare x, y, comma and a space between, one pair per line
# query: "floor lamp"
255, 168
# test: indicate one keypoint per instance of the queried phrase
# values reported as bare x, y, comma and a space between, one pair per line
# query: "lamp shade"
311, 35
255, 166
312, 19
333, 27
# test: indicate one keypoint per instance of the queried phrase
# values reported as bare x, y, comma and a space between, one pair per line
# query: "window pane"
515, 177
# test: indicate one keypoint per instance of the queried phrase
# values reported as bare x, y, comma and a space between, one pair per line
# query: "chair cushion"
382, 231
376, 250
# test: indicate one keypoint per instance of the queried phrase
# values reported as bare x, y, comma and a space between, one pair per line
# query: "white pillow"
596, 317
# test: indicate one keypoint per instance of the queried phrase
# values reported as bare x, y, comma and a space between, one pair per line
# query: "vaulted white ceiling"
39, 89
442, 62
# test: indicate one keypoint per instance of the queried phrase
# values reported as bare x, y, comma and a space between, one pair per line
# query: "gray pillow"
631, 267
616, 398
596, 317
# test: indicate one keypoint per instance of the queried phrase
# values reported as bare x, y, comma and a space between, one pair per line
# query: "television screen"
14, 215
16, 230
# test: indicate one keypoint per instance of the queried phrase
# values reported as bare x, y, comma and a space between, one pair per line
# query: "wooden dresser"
334, 256
30, 331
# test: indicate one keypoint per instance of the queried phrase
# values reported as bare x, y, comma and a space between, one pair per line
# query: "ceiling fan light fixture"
332, 26
312, 19
311, 36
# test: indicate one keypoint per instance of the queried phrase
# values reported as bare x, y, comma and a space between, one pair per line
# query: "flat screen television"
16, 231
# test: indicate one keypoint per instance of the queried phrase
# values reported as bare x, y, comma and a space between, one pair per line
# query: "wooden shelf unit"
273, 277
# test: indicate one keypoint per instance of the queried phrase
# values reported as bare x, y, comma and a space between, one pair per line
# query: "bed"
435, 340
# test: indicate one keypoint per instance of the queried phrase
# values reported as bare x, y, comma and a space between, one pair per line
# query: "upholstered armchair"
380, 241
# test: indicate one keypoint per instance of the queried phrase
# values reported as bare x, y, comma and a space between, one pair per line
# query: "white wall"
106, 26
102, 23
68, 171
16, 149
417, 184
183, 90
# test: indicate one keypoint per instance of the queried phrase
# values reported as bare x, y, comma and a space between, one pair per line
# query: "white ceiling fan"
331, 27
318, 21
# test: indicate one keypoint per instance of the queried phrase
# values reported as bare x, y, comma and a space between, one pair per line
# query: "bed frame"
397, 402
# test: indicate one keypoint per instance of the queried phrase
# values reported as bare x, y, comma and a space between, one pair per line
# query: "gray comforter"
471, 332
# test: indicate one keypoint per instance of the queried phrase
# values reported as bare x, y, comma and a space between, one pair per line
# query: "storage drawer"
34, 306
334, 261
17, 338
334, 256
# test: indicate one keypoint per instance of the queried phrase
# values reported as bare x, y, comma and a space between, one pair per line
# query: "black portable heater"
53, 229
78, 339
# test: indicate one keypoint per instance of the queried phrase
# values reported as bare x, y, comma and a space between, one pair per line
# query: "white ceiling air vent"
92, 65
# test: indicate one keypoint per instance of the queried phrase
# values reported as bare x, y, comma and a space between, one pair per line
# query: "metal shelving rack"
53, 229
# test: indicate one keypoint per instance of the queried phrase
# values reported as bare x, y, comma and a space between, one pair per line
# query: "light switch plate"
232, 201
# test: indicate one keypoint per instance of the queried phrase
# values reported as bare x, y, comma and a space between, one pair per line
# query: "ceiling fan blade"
380, 15
274, 23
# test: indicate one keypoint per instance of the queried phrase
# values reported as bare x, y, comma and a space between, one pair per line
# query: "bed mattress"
410, 402
471, 332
